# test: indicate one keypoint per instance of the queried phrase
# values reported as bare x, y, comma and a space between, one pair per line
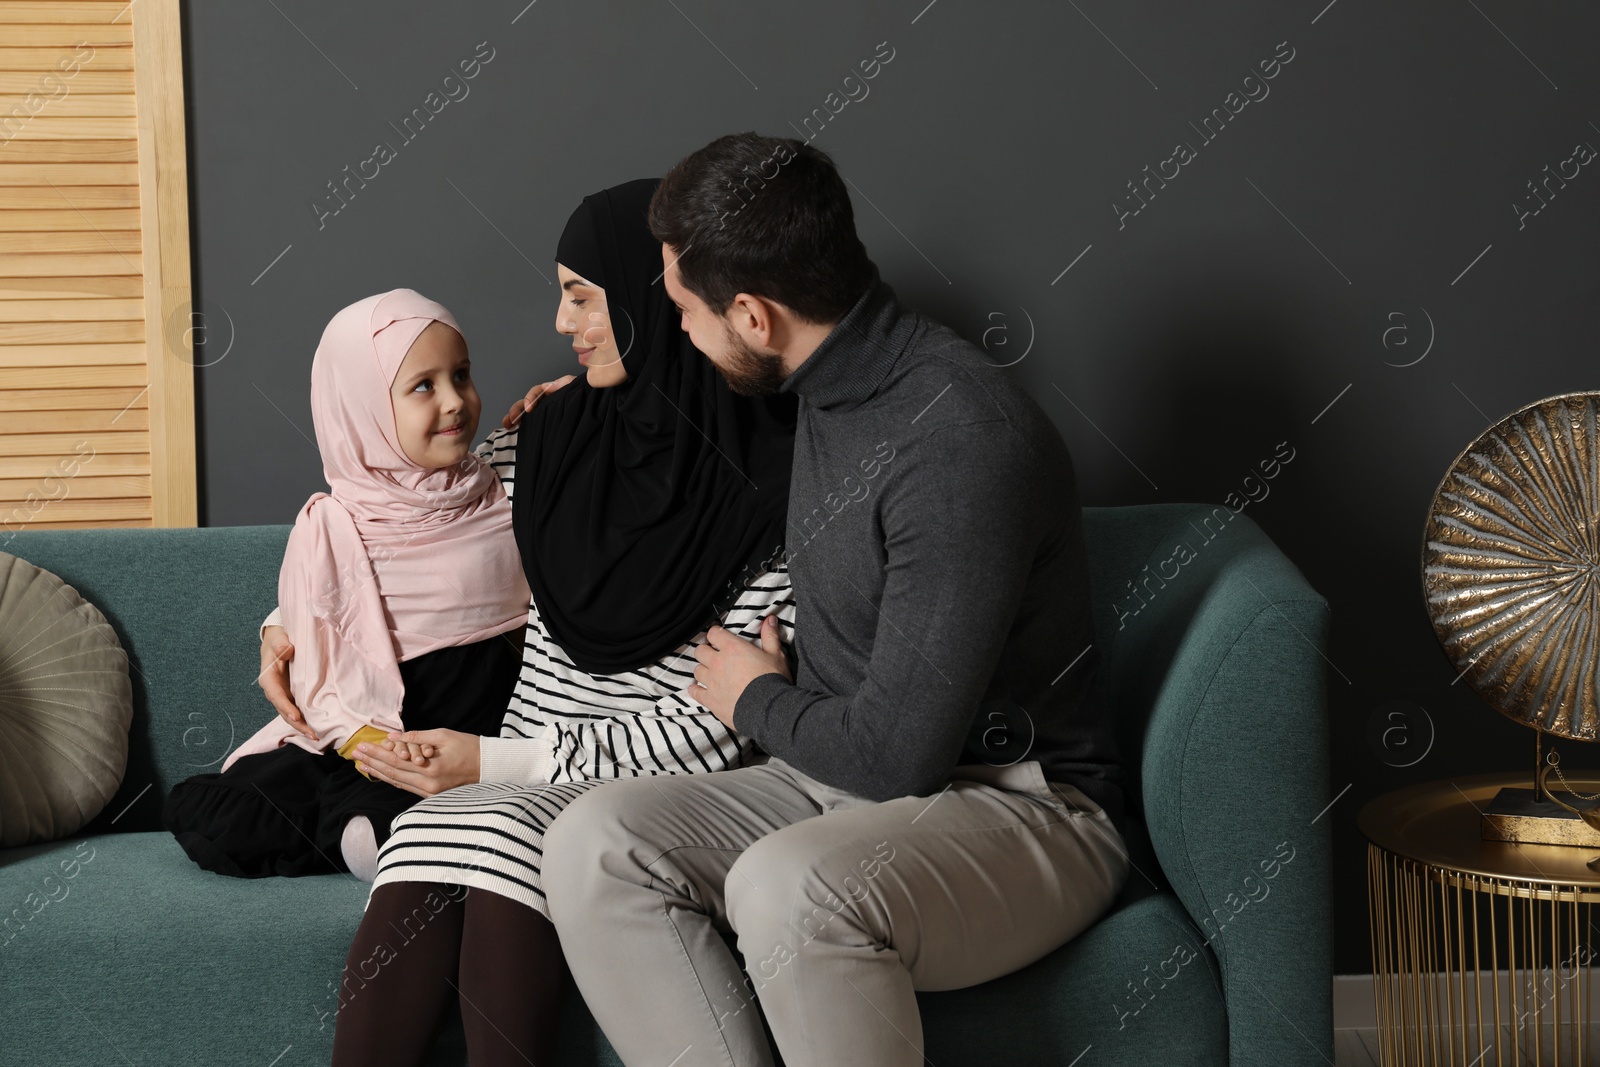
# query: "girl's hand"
526, 403
432, 760
276, 652
411, 750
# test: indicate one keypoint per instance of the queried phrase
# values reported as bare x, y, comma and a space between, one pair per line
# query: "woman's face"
435, 403
582, 315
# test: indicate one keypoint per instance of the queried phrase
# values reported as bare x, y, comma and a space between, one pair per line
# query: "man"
943, 804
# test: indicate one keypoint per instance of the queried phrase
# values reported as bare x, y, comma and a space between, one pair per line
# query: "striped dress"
587, 728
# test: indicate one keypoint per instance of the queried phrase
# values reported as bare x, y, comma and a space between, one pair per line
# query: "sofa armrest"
1234, 787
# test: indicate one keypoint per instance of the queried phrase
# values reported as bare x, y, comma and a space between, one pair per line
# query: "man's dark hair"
767, 216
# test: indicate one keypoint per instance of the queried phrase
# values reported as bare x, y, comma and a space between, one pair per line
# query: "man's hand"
454, 760
514, 416
276, 652
728, 663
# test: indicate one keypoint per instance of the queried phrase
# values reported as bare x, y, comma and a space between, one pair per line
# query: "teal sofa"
1218, 952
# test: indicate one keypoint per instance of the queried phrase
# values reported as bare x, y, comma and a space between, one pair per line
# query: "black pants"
284, 812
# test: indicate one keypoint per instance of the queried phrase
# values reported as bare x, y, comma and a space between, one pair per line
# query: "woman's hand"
453, 762
276, 652
526, 403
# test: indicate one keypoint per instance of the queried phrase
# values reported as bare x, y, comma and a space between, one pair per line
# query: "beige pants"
841, 907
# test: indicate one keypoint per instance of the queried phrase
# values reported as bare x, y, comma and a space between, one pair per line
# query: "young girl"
402, 591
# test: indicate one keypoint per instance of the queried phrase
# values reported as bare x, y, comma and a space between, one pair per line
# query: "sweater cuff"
751, 710
520, 760
275, 619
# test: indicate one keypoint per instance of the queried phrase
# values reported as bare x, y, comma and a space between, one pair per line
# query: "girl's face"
582, 315
435, 403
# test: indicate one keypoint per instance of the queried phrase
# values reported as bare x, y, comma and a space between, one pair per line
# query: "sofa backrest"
186, 605
194, 598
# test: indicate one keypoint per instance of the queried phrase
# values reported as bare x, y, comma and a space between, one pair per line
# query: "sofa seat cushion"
116, 948
1083, 995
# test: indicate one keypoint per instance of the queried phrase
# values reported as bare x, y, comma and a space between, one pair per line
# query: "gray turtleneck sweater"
942, 611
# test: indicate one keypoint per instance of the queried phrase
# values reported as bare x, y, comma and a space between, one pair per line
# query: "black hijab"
640, 508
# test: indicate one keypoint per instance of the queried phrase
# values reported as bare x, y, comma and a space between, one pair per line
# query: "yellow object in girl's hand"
366, 733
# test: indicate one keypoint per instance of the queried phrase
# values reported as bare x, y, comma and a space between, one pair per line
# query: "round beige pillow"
66, 704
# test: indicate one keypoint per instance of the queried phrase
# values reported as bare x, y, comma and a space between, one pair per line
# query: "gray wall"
1295, 262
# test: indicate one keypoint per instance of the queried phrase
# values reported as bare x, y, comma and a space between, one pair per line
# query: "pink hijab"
398, 560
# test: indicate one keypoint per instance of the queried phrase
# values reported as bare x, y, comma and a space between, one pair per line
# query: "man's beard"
748, 372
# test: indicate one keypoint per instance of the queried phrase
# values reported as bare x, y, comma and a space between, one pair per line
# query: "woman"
651, 504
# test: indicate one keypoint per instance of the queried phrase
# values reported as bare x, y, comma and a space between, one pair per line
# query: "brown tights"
421, 943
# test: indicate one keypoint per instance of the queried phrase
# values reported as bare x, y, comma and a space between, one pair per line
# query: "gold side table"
1450, 912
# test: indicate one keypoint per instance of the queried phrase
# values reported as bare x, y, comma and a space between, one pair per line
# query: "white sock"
360, 847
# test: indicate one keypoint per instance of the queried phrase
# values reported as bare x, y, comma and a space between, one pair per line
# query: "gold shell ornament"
1511, 565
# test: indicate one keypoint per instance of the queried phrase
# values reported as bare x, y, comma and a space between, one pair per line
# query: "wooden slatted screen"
96, 364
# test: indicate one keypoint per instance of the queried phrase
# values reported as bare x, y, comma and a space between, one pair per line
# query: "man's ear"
755, 317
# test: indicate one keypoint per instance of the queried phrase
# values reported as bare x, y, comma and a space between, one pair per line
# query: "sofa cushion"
116, 948
65, 707
123, 946
1138, 987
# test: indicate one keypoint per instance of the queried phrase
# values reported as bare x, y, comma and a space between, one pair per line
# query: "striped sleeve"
521, 761
499, 450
